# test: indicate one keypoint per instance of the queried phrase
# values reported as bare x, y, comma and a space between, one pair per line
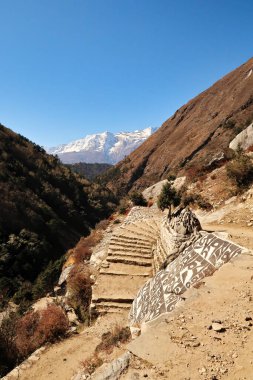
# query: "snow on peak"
105, 147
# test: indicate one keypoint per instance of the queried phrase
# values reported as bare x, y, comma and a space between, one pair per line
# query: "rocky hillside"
195, 138
45, 209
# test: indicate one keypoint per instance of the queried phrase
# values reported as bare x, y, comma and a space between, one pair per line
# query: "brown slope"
193, 135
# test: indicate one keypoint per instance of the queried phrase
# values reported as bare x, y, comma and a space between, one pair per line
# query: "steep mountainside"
103, 147
45, 209
197, 133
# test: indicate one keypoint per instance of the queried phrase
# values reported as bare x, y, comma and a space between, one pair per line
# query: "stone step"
127, 243
140, 224
120, 302
153, 223
112, 307
122, 273
120, 248
132, 245
128, 260
161, 250
142, 229
111, 289
131, 237
147, 237
104, 311
130, 254
127, 270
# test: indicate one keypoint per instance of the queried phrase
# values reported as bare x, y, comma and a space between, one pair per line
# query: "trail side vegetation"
45, 209
89, 171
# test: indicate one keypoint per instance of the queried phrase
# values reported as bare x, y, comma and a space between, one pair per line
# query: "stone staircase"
160, 255
128, 265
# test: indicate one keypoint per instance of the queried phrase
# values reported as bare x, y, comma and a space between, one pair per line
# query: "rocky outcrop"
108, 371
176, 234
243, 140
153, 192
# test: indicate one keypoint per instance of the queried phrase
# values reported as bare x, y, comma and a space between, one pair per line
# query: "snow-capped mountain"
103, 147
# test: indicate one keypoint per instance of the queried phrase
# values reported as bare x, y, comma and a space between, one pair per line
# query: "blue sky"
73, 67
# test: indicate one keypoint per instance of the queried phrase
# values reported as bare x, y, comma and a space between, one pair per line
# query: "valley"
145, 272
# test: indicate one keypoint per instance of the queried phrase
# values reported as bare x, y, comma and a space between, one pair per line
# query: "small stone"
218, 327
202, 370
14, 374
33, 358
235, 355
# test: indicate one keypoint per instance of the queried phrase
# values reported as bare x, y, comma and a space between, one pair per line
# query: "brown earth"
193, 136
182, 345
184, 348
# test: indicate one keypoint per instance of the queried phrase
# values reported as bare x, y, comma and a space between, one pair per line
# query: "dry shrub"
103, 224
8, 351
197, 199
240, 170
150, 203
79, 285
83, 249
92, 363
194, 172
112, 217
250, 148
112, 338
36, 328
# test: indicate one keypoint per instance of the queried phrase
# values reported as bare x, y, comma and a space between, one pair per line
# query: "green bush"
240, 170
138, 199
196, 199
168, 197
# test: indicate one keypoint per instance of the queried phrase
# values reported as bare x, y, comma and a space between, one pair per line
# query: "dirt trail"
181, 345
62, 360
238, 233
171, 359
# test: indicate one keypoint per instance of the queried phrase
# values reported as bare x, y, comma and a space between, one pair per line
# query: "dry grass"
109, 341
103, 224
113, 338
92, 363
79, 285
83, 249
36, 328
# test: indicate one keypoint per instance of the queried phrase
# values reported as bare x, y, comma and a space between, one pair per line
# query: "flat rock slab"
201, 259
181, 343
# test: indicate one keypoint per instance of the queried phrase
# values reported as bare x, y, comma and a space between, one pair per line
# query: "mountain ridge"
105, 147
194, 135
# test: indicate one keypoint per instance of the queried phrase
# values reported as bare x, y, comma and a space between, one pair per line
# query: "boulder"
243, 140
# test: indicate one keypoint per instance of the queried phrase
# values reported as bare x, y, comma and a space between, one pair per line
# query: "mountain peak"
105, 147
